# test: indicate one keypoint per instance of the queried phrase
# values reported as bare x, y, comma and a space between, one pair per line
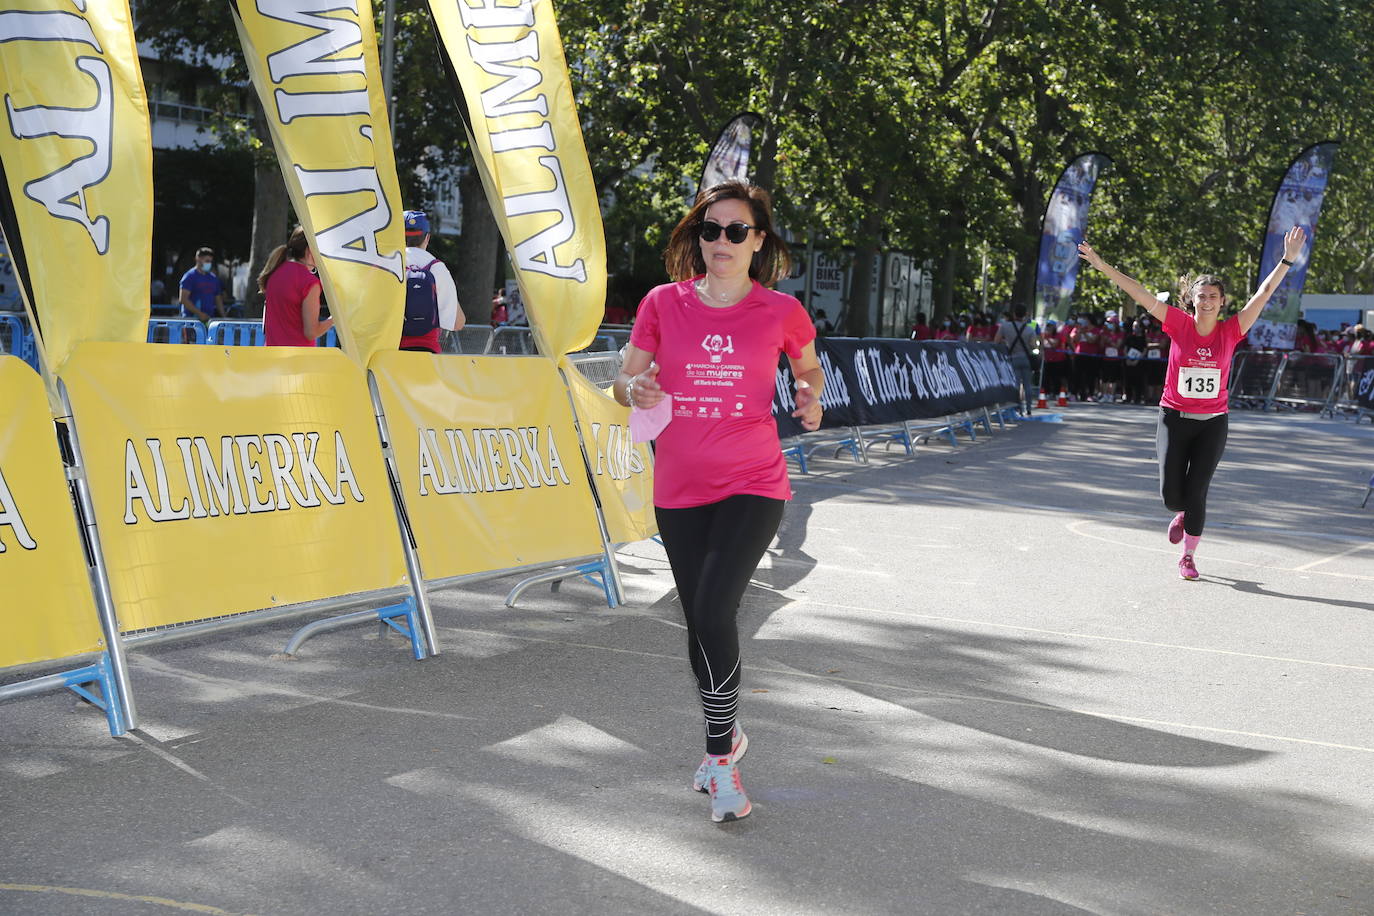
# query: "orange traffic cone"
1063, 397
1040, 401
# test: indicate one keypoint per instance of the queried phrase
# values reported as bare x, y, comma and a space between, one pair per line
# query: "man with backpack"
431, 297
1020, 338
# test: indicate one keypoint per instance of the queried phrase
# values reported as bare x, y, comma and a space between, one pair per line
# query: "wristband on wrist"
1285, 261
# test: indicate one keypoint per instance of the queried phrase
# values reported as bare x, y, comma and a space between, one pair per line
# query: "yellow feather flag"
315, 69
506, 62
77, 195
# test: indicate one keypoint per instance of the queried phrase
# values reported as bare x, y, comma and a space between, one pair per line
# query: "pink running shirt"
286, 289
720, 366
1199, 367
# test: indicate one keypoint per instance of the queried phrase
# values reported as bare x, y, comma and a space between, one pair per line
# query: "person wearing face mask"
1084, 340
202, 293
1190, 434
1055, 372
1112, 337
1133, 365
711, 341
948, 330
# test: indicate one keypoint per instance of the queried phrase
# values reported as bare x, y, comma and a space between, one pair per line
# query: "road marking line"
112, 895
180, 765
1029, 704
1071, 635
1076, 528
1335, 556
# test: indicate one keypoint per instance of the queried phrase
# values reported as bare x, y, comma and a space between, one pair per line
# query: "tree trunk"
1033, 202
479, 245
859, 320
952, 230
271, 210
949, 265
766, 163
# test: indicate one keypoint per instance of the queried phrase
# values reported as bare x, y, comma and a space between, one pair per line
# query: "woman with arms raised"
1190, 434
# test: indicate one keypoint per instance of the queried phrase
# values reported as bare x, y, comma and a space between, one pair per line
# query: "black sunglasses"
735, 232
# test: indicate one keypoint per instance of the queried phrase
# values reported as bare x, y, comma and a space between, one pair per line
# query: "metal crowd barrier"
176, 330
512, 341
237, 333
17, 340
1358, 372
1255, 377
598, 368
858, 440
1308, 380
471, 340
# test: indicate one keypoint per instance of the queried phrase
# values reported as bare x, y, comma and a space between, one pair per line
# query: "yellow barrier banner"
320, 84
506, 63
48, 611
623, 469
231, 479
78, 173
488, 460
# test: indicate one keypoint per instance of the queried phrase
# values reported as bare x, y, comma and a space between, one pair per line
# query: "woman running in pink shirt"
1191, 431
711, 340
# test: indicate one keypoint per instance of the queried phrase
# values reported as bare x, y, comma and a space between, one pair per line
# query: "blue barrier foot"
107, 700
409, 628
597, 574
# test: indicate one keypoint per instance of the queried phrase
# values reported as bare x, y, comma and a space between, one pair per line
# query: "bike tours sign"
1297, 202
1066, 221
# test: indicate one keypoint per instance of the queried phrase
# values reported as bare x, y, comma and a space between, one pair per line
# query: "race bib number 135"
1199, 383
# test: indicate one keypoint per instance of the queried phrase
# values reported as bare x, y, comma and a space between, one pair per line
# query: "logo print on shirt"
1204, 352
716, 346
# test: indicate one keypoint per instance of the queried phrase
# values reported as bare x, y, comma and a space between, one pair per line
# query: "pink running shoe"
1186, 567
1176, 529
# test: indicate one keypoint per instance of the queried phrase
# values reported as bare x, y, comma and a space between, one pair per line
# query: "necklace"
705, 292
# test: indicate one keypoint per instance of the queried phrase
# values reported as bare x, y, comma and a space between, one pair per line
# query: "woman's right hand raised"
645, 391
1085, 251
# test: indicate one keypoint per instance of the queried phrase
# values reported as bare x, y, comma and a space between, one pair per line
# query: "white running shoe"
737, 749
728, 801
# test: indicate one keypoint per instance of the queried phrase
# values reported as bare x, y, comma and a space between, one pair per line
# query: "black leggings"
713, 550
1189, 452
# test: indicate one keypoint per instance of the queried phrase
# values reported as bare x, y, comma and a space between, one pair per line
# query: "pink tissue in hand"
647, 424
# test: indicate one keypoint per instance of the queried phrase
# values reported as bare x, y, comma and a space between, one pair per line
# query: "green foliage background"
939, 127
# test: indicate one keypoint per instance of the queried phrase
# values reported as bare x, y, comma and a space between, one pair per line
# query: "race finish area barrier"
1357, 392
49, 615
622, 470
274, 467
487, 447
17, 340
878, 390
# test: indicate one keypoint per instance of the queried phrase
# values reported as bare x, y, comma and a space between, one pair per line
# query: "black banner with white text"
870, 381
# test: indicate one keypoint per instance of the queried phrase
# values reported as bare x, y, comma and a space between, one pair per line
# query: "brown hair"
683, 258
1187, 284
296, 246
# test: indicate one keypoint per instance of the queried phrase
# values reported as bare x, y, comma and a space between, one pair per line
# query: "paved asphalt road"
974, 684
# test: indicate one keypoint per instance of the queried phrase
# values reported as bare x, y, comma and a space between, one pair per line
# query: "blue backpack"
422, 301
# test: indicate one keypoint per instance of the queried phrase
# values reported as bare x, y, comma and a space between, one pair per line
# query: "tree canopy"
939, 127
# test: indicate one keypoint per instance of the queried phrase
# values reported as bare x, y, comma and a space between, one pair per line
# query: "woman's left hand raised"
808, 408
1293, 242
